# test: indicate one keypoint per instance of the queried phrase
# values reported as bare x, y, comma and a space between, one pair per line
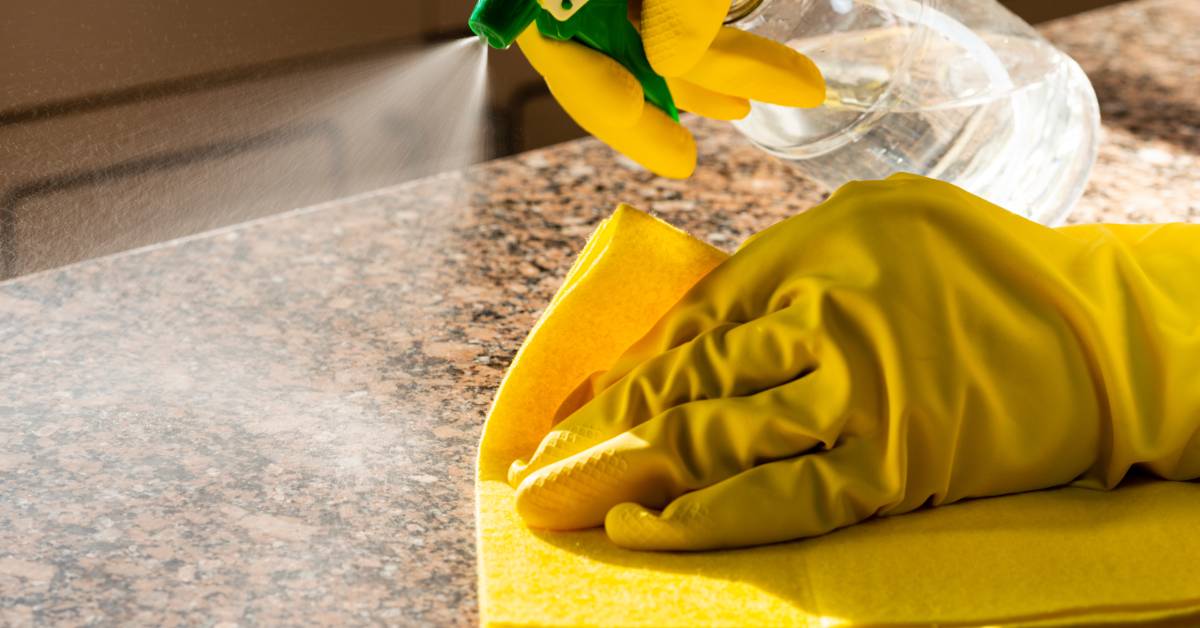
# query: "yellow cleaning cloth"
1065, 556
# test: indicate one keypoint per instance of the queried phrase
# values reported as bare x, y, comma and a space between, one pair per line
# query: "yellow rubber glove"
712, 70
903, 344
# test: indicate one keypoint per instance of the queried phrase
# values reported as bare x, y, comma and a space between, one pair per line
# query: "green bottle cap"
499, 22
602, 25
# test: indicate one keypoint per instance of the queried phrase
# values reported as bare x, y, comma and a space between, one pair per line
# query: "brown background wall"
1035, 11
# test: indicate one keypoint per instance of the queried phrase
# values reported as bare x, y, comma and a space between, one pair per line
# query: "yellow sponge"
1065, 556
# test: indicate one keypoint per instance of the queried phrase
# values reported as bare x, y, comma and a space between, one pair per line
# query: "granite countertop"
276, 423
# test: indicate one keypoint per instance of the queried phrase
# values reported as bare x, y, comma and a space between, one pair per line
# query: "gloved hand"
903, 344
712, 70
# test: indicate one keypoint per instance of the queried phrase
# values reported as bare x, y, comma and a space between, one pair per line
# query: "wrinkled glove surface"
712, 70
903, 344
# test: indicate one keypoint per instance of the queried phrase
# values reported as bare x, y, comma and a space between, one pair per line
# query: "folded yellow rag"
1065, 556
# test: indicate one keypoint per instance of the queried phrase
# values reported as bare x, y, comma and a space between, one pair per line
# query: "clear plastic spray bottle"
959, 90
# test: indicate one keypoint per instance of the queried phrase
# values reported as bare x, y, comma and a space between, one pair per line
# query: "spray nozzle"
602, 25
499, 22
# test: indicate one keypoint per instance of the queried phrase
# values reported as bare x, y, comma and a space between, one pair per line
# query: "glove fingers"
593, 88
707, 103
748, 66
656, 142
730, 360
677, 32
686, 448
607, 101
790, 499
721, 296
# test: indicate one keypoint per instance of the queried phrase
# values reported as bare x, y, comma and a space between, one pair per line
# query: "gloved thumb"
794, 498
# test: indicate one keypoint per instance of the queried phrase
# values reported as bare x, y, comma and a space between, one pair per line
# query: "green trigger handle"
602, 25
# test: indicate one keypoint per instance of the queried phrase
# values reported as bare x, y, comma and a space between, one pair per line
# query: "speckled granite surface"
276, 423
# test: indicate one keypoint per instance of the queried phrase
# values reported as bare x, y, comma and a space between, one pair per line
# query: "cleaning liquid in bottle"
959, 90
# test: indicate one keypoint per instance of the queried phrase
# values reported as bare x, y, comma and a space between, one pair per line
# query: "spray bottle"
602, 25
959, 90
